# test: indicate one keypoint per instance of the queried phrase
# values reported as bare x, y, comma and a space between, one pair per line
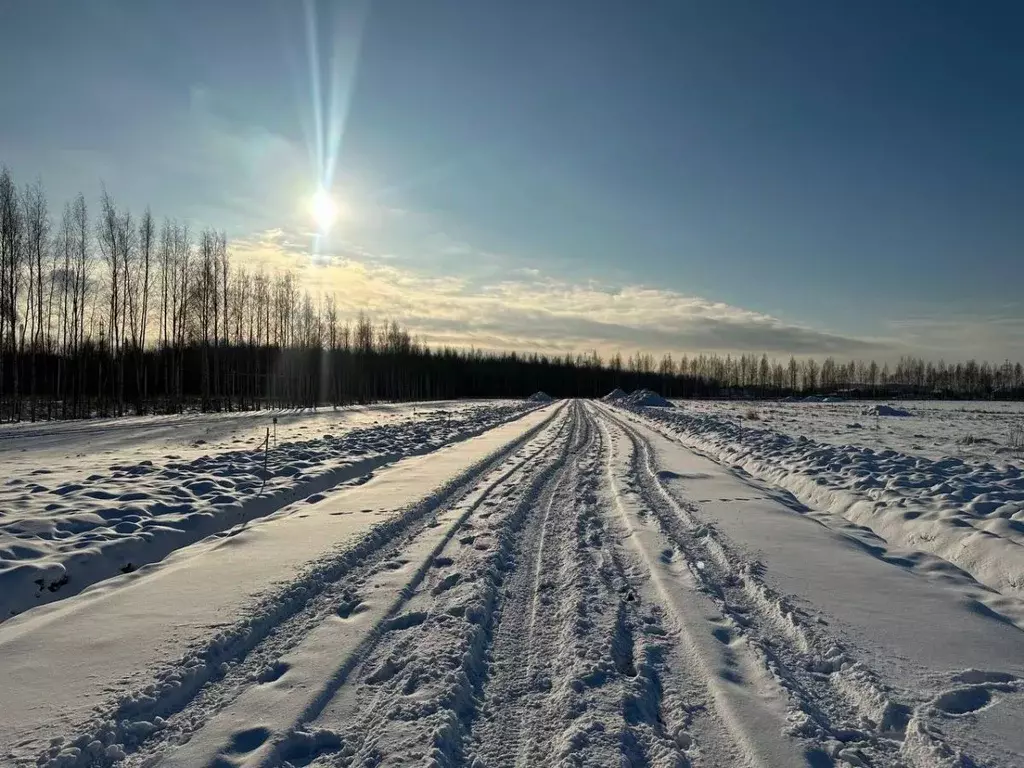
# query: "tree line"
104, 313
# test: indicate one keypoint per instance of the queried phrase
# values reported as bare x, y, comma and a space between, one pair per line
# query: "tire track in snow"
184, 695
839, 704
554, 604
430, 678
433, 608
576, 673
519, 679
662, 701
612, 702
733, 717
364, 662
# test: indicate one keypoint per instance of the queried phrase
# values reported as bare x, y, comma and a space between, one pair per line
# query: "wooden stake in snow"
266, 455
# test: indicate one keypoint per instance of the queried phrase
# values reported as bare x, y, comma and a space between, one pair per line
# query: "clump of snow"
646, 398
614, 396
540, 397
880, 409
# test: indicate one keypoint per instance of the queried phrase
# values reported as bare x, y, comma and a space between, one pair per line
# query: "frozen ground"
577, 584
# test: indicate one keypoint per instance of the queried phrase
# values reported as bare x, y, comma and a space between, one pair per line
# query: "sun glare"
324, 209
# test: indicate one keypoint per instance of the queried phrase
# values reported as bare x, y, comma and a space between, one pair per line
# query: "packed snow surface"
578, 584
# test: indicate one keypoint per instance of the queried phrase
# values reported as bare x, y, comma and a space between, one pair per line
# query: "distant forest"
111, 314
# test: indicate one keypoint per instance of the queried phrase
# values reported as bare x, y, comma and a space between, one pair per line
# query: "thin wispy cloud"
964, 335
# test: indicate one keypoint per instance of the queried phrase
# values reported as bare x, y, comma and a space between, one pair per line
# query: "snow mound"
614, 396
884, 410
540, 397
646, 398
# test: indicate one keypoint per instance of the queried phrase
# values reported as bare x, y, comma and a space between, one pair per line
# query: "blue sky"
810, 177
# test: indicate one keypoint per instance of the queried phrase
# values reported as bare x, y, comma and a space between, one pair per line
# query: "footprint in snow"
351, 607
961, 701
274, 672
447, 583
248, 740
976, 676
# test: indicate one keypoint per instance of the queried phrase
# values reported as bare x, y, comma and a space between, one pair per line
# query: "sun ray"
334, 37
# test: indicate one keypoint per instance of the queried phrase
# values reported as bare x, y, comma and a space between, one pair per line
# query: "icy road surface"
566, 585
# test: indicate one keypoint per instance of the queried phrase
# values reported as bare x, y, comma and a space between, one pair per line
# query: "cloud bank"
532, 312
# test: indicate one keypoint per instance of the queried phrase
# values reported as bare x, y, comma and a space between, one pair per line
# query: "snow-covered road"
568, 585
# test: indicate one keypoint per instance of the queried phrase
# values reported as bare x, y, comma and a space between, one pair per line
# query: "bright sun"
324, 209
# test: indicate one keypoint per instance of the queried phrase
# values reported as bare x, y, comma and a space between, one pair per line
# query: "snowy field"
80, 502
515, 584
970, 430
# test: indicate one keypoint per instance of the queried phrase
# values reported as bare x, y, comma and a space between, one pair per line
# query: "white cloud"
532, 312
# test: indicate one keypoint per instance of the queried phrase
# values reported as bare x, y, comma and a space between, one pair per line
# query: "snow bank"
969, 513
540, 397
61, 531
614, 396
645, 398
880, 409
